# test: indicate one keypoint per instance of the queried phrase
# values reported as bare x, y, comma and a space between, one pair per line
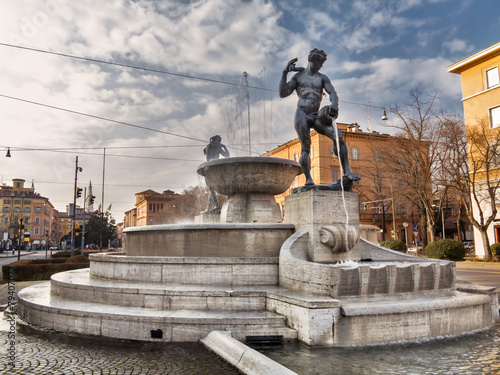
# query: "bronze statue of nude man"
309, 84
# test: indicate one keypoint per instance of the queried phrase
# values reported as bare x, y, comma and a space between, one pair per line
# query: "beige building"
20, 205
151, 208
374, 192
481, 100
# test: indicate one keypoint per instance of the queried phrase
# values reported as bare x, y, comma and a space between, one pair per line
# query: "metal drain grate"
156, 334
264, 340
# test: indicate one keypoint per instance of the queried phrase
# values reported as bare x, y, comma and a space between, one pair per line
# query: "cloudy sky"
154, 122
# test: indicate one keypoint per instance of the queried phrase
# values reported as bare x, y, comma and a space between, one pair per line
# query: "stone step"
77, 285
37, 306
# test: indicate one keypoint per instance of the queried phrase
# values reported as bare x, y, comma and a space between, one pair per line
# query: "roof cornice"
475, 58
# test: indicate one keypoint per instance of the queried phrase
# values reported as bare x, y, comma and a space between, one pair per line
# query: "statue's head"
317, 54
215, 139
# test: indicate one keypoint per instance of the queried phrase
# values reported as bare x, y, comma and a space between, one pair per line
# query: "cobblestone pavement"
68, 355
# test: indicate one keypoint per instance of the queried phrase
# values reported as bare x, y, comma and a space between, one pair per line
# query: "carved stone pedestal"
332, 221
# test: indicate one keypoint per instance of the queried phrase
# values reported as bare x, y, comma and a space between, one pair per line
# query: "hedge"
445, 249
395, 245
39, 269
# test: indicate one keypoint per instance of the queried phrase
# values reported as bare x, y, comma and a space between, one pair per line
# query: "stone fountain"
311, 278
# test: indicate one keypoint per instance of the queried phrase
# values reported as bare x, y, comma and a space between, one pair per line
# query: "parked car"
469, 247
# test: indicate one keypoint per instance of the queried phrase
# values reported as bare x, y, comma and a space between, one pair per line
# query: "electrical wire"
135, 67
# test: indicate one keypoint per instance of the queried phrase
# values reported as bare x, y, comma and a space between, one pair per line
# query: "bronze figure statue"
213, 150
309, 85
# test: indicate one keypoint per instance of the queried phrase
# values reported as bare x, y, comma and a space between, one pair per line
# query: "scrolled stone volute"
334, 236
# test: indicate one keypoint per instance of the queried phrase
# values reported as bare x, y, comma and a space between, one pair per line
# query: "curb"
247, 360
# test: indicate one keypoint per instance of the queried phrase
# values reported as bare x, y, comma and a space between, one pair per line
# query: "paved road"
479, 273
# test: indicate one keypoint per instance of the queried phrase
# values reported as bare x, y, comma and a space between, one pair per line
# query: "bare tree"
473, 162
413, 158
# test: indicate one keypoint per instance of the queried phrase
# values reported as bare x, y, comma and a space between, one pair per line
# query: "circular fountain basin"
250, 174
250, 184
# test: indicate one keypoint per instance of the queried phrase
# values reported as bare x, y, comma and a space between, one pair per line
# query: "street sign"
415, 227
416, 233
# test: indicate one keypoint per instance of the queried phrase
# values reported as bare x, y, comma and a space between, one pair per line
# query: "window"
37, 230
37, 220
495, 117
150, 221
355, 153
6, 201
38, 209
17, 209
17, 201
331, 150
27, 202
402, 208
62, 220
6, 209
355, 183
27, 210
69, 226
492, 78
335, 175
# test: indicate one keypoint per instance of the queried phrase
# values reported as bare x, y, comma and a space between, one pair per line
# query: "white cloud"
457, 45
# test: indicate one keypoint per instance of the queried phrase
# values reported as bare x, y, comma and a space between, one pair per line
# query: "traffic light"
91, 199
21, 225
78, 230
78, 192
365, 206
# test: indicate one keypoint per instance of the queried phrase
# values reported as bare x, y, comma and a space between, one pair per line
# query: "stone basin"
250, 184
250, 174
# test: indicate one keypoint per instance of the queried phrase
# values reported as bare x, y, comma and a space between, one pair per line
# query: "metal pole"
83, 228
102, 197
245, 79
74, 210
442, 219
393, 214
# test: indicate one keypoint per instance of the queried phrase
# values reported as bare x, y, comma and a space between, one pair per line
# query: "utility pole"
83, 227
75, 194
102, 196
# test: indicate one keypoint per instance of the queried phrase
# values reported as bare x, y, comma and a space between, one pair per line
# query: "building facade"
378, 204
152, 208
26, 217
481, 102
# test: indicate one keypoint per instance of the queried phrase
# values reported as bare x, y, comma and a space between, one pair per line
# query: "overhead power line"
136, 67
101, 118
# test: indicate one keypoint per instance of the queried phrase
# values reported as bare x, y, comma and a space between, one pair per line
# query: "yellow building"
151, 208
374, 189
481, 100
20, 205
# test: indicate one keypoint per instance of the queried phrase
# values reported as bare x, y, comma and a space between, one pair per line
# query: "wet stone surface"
68, 355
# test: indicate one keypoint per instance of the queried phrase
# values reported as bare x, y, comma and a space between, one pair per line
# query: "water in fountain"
478, 353
335, 130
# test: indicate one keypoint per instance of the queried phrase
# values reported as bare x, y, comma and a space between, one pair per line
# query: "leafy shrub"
77, 259
34, 269
395, 245
495, 249
67, 253
445, 249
